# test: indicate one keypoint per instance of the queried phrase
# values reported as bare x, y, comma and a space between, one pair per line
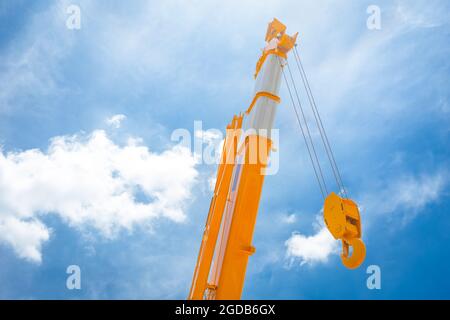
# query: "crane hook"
358, 255
343, 220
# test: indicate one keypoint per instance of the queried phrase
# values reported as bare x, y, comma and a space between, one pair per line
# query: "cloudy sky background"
90, 176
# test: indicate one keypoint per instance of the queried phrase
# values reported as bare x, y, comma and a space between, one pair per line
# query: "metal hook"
358, 253
343, 220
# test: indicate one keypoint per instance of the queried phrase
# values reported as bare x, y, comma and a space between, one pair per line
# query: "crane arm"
227, 238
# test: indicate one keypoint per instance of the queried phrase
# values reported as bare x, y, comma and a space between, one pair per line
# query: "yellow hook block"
343, 220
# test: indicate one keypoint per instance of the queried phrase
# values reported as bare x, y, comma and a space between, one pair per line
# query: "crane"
227, 238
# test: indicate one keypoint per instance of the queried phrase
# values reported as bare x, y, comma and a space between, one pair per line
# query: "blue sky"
383, 95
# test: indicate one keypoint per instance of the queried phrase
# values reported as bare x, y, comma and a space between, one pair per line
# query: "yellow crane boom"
227, 239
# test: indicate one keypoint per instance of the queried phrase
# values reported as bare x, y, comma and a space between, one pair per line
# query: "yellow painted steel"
343, 220
274, 29
284, 43
262, 94
216, 209
228, 275
264, 56
227, 239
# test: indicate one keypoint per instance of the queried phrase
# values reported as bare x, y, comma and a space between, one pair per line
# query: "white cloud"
211, 142
420, 14
26, 237
89, 181
210, 137
115, 121
212, 181
405, 196
311, 249
289, 218
416, 192
408, 195
31, 64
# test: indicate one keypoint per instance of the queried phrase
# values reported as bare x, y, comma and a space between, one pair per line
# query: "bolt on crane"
227, 238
